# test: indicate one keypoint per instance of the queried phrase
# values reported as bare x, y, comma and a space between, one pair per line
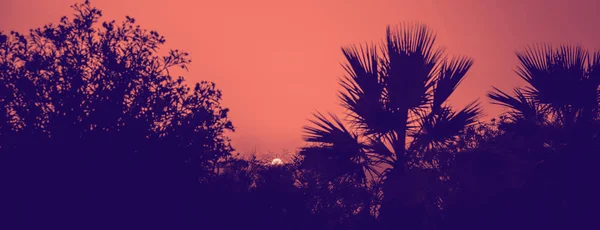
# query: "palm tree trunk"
399, 144
392, 205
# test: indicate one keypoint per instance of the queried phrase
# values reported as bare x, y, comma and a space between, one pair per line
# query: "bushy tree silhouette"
93, 123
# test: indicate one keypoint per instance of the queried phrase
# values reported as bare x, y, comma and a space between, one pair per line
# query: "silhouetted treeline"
97, 133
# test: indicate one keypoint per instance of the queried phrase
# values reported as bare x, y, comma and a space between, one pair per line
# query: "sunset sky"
278, 61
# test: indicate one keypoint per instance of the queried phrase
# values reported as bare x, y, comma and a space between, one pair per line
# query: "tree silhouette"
396, 102
92, 119
556, 120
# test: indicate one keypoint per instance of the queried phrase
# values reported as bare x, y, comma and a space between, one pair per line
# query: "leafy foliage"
76, 83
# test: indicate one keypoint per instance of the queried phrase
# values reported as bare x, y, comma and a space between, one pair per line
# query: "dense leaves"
92, 119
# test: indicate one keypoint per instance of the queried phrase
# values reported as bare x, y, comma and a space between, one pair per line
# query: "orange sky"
277, 61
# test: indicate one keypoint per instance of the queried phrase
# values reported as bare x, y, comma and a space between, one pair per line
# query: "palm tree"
562, 88
558, 115
560, 106
396, 101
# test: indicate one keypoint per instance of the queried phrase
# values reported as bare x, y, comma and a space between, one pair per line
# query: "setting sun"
276, 161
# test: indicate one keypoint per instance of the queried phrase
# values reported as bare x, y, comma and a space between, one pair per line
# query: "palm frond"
452, 72
533, 61
555, 76
469, 114
362, 68
521, 107
328, 131
339, 151
594, 69
362, 94
365, 113
413, 38
440, 127
409, 64
380, 149
594, 81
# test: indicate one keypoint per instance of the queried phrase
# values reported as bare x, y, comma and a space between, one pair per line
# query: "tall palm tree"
396, 97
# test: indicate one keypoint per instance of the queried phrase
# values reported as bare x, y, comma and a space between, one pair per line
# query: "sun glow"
276, 161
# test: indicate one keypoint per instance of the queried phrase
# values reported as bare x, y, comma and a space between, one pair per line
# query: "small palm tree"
559, 109
562, 89
395, 98
558, 116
